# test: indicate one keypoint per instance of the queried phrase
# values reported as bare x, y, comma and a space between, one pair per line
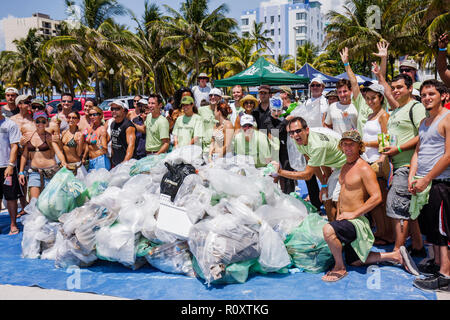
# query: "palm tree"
259, 36
93, 14
194, 28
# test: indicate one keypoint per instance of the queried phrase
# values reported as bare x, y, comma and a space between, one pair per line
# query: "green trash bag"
307, 204
146, 165
97, 188
307, 247
62, 194
234, 273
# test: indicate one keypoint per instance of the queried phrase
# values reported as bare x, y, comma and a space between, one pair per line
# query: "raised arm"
382, 46
387, 88
351, 75
441, 60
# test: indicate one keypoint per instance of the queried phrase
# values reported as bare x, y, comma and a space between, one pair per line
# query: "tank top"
370, 133
119, 142
432, 147
218, 135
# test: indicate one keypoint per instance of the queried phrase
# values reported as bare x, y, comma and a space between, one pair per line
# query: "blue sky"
56, 8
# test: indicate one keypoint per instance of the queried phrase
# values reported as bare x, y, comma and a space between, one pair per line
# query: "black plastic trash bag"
173, 179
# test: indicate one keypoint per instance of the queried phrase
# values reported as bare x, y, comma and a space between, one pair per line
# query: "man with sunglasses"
137, 110
59, 122
208, 118
325, 160
262, 111
9, 183
123, 134
202, 90
409, 67
24, 117
10, 109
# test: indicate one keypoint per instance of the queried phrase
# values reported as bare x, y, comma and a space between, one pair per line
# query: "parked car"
125, 99
52, 106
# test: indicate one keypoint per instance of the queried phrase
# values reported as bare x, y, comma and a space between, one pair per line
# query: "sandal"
13, 232
338, 276
21, 213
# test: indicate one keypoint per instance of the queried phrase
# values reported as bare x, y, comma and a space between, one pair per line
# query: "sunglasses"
66, 101
115, 108
246, 126
263, 92
26, 102
37, 107
214, 95
43, 121
315, 85
277, 110
406, 70
72, 118
135, 101
294, 132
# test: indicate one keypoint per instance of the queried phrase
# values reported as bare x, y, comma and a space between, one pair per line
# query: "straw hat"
248, 97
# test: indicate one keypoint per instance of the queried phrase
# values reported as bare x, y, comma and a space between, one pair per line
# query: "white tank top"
370, 133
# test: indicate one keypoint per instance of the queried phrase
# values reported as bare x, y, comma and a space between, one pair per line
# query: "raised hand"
443, 41
344, 55
376, 69
382, 47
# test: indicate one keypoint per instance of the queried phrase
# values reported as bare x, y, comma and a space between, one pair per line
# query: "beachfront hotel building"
290, 23
17, 28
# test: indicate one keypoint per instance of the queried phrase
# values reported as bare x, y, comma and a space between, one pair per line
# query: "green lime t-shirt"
156, 130
323, 150
363, 112
186, 128
258, 147
209, 121
401, 126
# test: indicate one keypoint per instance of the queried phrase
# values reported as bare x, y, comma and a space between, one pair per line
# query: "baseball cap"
332, 93
203, 75
215, 91
264, 87
21, 98
187, 100
317, 80
12, 90
409, 63
119, 103
352, 135
247, 119
143, 101
285, 89
39, 102
376, 87
40, 114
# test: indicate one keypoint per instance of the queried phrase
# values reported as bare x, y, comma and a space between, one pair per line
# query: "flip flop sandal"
13, 232
409, 263
338, 276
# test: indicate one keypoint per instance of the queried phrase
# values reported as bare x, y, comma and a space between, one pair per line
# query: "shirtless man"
360, 193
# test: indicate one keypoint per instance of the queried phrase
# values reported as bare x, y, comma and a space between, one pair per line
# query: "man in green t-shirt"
188, 129
250, 142
208, 118
403, 127
324, 160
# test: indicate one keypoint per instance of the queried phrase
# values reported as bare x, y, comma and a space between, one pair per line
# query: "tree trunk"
97, 84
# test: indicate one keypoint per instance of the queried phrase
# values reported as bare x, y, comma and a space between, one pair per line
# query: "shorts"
34, 180
100, 162
334, 187
346, 233
398, 198
12, 192
434, 216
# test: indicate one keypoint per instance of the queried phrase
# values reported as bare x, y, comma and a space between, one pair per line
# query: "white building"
17, 28
290, 23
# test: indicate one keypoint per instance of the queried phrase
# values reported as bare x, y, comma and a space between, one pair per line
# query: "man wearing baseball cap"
262, 111
251, 142
409, 67
201, 91
208, 118
10, 109
123, 134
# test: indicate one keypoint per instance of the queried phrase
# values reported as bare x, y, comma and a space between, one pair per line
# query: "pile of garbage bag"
236, 221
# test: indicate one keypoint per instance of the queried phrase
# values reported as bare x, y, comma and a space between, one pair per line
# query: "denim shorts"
399, 198
34, 180
100, 162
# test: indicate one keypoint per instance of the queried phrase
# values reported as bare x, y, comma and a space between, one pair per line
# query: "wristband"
346, 64
11, 164
21, 173
399, 150
324, 186
442, 49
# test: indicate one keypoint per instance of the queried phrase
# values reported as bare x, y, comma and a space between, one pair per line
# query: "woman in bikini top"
72, 141
96, 139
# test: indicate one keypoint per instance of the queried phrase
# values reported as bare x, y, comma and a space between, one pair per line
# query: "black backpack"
173, 179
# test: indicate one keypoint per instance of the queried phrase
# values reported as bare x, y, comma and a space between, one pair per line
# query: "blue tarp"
308, 71
361, 79
113, 279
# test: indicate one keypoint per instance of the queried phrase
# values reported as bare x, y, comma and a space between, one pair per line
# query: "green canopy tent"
261, 72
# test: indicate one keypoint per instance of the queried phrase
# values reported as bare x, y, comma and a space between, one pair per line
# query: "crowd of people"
377, 155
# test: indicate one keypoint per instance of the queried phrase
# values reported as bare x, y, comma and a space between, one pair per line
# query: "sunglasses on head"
41, 121
293, 132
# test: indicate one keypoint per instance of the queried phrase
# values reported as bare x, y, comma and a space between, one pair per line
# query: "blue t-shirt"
9, 134
140, 139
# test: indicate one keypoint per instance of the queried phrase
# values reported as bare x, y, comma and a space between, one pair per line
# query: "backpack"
173, 179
